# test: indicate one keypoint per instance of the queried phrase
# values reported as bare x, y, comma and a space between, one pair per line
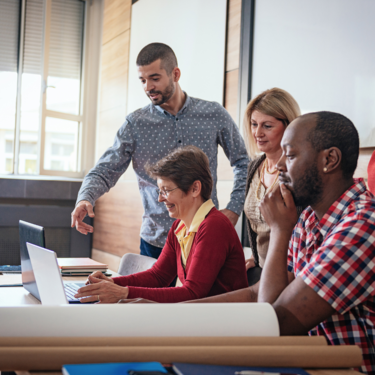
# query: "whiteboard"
323, 53
195, 30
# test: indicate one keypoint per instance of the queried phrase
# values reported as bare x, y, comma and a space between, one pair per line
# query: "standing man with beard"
320, 273
173, 119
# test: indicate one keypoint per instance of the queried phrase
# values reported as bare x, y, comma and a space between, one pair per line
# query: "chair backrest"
134, 263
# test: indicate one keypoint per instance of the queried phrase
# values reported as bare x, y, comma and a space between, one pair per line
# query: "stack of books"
80, 266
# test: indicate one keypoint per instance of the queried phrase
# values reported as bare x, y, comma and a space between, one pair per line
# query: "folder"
111, 368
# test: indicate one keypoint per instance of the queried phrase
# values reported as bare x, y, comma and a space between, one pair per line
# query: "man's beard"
308, 190
165, 95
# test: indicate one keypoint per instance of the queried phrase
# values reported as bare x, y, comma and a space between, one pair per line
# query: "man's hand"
279, 210
102, 291
280, 213
233, 217
82, 209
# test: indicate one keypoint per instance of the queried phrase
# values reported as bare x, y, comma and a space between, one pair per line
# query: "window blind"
9, 34
33, 43
66, 38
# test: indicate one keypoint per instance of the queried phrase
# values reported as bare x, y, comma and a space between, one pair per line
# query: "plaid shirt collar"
330, 219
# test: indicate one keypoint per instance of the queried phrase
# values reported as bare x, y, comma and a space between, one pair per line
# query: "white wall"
323, 53
195, 30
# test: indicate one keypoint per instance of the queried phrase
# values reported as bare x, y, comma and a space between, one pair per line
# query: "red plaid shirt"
336, 257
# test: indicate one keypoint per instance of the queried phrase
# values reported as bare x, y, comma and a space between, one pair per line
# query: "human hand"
97, 275
102, 291
82, 209
232, 216
250, 263
136, 300
279, 210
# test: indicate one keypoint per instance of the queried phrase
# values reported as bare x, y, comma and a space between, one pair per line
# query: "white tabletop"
18, 296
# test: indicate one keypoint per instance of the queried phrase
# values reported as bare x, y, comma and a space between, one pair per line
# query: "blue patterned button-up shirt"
149, 134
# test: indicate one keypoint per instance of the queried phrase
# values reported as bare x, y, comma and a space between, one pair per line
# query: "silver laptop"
52, 289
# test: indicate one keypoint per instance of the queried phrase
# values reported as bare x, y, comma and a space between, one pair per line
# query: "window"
42, 74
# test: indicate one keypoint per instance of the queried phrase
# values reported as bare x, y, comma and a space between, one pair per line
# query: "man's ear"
332, 158
176, 74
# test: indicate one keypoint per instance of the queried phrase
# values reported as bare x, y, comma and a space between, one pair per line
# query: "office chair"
133, 263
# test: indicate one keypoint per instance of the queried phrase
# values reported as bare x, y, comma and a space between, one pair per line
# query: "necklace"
275, 170
260, 181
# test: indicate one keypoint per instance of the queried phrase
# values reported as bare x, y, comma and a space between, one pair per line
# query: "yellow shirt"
186, 239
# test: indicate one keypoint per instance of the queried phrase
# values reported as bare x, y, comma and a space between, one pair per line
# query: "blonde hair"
273, 102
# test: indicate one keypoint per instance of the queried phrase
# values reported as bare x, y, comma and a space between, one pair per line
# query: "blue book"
193, 369
111, 368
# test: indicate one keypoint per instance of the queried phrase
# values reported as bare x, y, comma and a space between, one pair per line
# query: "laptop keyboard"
70, 290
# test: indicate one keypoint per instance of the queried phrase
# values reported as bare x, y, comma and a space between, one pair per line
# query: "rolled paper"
53, 358
162, 341
141, 320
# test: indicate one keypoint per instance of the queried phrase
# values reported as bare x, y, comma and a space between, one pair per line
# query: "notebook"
81, 264
112, 368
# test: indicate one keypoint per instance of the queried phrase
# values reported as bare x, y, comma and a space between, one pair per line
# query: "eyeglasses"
165, 193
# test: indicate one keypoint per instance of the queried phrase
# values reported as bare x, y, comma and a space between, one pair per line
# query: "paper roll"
141, 320
52, 358
162, 341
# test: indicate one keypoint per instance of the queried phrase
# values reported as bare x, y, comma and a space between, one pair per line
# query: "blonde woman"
266, 119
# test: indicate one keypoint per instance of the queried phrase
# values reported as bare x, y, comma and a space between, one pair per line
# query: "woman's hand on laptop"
102, 291
99, 276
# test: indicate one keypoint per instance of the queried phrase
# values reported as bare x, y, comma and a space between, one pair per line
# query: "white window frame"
92, 37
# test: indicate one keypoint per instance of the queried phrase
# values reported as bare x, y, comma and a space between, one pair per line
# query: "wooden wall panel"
118, 214
117, 15
113, 261
225, 171
110, 121
233, 35
118, 219
114, 72
231, 93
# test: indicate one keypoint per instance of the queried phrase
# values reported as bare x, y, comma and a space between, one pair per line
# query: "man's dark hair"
335, 130
183, 166
156, 51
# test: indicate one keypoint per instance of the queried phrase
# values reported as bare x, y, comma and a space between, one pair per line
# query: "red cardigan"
216, 265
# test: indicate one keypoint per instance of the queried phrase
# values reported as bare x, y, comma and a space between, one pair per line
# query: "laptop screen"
33, 234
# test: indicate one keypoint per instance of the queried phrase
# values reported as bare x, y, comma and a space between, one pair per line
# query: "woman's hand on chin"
102, 292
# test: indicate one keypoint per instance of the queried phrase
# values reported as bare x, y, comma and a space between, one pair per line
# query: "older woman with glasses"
202, 247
